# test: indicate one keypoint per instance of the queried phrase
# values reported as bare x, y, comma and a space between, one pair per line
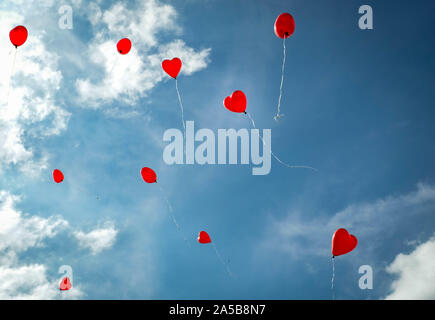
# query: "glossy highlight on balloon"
124, 46
18, 36
204, 238
148, 175
236, 102
172, 67
58, 176
343, 242
284, 25
65, 284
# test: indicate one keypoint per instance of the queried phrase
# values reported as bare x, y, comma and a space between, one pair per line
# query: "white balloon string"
171, 214
11, 73
278, 115
271, 152
222, 260
181, 108
333, 277
115, 63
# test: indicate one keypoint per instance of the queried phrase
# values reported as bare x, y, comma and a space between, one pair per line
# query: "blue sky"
358, 106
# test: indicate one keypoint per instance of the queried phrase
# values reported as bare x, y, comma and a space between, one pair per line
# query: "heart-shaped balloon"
343, 242
172, 67
124, 46
148, 175
236, 102
65, 284
18, 36
204, 237
58, 176
284, 25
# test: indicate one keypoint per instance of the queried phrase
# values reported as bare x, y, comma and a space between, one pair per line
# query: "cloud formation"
31, 85
416, 274
20, 232
301, 236
126, 78
33, 109
29, 81
31, 282
97, 240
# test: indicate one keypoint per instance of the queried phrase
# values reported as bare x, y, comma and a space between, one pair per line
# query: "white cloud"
127, 78
31, 283
37, 87
20, 232
192, 61
416, 274
30, 108
302, 236
99, 239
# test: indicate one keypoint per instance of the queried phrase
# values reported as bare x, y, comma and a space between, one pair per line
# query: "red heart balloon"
172, 67
148, 175
65, 284
236, 102
58, 176
18, 35
343, 242
284, 25
124, 46
204, 237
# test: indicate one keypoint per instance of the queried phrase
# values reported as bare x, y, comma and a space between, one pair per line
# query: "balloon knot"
245, 112
277, 117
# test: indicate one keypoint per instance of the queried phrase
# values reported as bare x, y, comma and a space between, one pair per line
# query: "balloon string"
333, 277
115, 63
271, 152
222, 261
278, 115
11, 73
181, 108
171, 213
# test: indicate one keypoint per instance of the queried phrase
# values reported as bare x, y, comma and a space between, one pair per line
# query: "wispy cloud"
302, 236
98, 239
